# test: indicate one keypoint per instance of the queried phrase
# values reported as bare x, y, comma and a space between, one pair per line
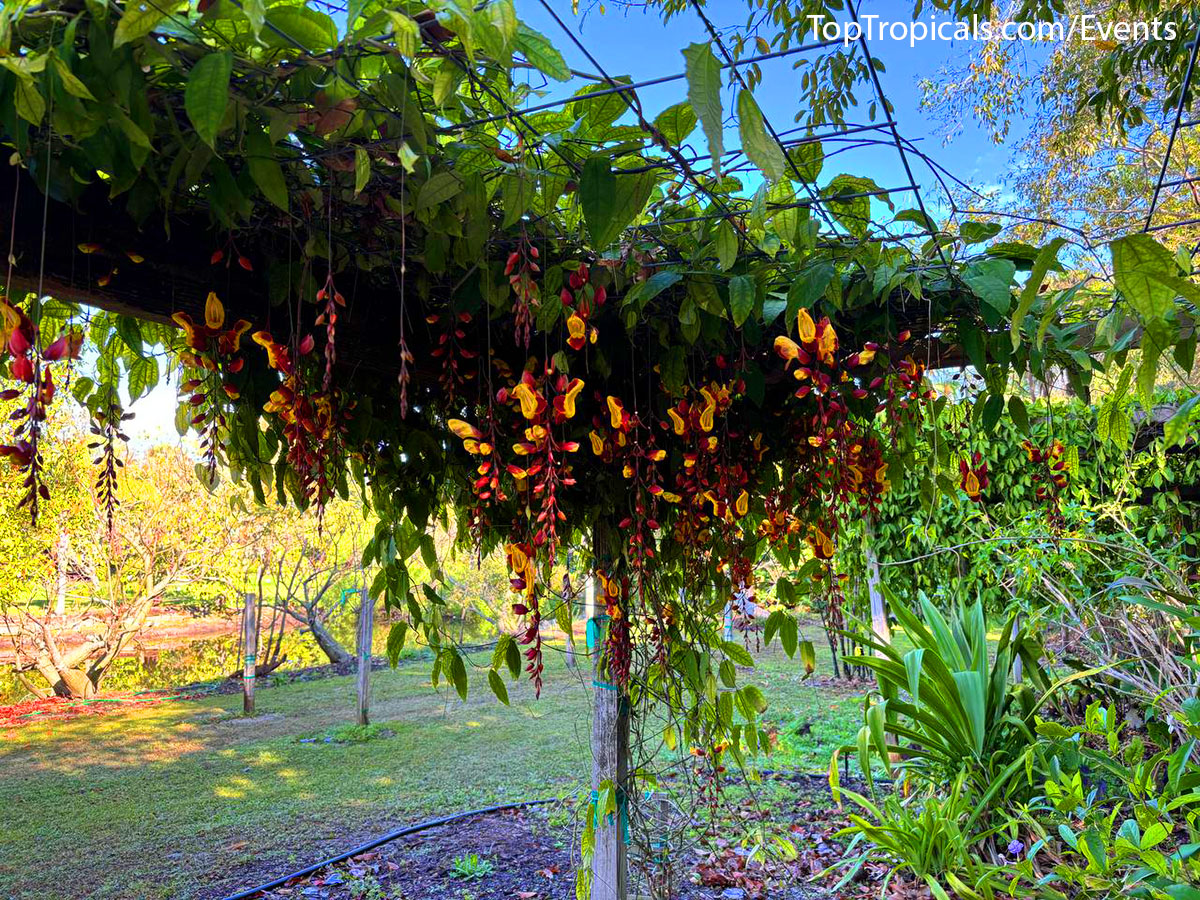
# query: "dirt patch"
526, 854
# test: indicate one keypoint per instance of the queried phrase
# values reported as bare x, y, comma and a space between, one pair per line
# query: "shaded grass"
190, 800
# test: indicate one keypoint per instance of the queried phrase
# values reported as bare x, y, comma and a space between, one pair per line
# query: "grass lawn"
189, 800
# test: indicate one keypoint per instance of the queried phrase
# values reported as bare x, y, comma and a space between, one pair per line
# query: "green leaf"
207, 94
807, 160
256, 12
852, 212
438, 189
611, 201
704, 94
143, 376
138, 20
739, 654
676, 122
458, 673
760, 148
597, 190
1046, 257
1175, 431
742, 294
1137, 259
1018, 413
265, 169
362, 169
395, 642
406, 33
992, 280
645, 291
541, 54
71, 84
28, 100
301, 27
498, 686
726, 245
978, 232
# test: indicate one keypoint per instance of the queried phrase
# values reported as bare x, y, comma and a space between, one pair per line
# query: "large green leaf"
676, 122
704, 93
1138, 261
758, 145
742, 293
301, 27
541, 54
725, 242
611, 201
139, 19
992, 280
807, 160
438, 189
207, 94
265, 169
1047, 257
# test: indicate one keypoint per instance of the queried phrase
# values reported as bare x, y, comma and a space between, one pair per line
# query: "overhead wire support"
1175, 128
883, 102
624, 93
617, 88
716, 37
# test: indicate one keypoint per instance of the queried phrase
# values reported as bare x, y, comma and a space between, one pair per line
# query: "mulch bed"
533, 854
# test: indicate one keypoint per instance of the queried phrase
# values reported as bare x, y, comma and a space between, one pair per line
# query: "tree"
171, 534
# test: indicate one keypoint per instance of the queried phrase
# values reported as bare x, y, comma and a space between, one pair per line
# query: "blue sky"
637, 44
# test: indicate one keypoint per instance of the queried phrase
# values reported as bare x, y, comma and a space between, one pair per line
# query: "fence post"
366, 629
250, 644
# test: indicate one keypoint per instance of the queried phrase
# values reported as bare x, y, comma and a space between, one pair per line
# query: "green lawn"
189, 800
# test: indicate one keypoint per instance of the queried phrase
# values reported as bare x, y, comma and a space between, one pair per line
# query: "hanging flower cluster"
582, 298
1050, 475
618, 642
524, 583
521, 269
455, 360
32, 367
213, 354
106, 432
314, 422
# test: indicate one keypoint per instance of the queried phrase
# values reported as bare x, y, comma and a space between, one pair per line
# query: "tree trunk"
338, 655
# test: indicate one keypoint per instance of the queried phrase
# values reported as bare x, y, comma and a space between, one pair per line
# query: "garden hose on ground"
383, 839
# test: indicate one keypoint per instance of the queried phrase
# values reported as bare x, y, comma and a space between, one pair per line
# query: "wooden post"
572, 662
250, 645
366, 630
63, 553
879, 618
610, 753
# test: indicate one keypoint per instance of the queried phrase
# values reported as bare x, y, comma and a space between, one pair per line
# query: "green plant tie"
622, 813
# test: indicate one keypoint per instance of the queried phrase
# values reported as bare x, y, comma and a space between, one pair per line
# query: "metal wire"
1176, 126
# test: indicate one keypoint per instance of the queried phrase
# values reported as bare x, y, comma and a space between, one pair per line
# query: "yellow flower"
710, 407
806, 327
597, 443
677, 422
742, 506
214, 312
528, 398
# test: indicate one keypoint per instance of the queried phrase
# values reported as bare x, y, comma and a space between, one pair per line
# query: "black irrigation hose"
375, 842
